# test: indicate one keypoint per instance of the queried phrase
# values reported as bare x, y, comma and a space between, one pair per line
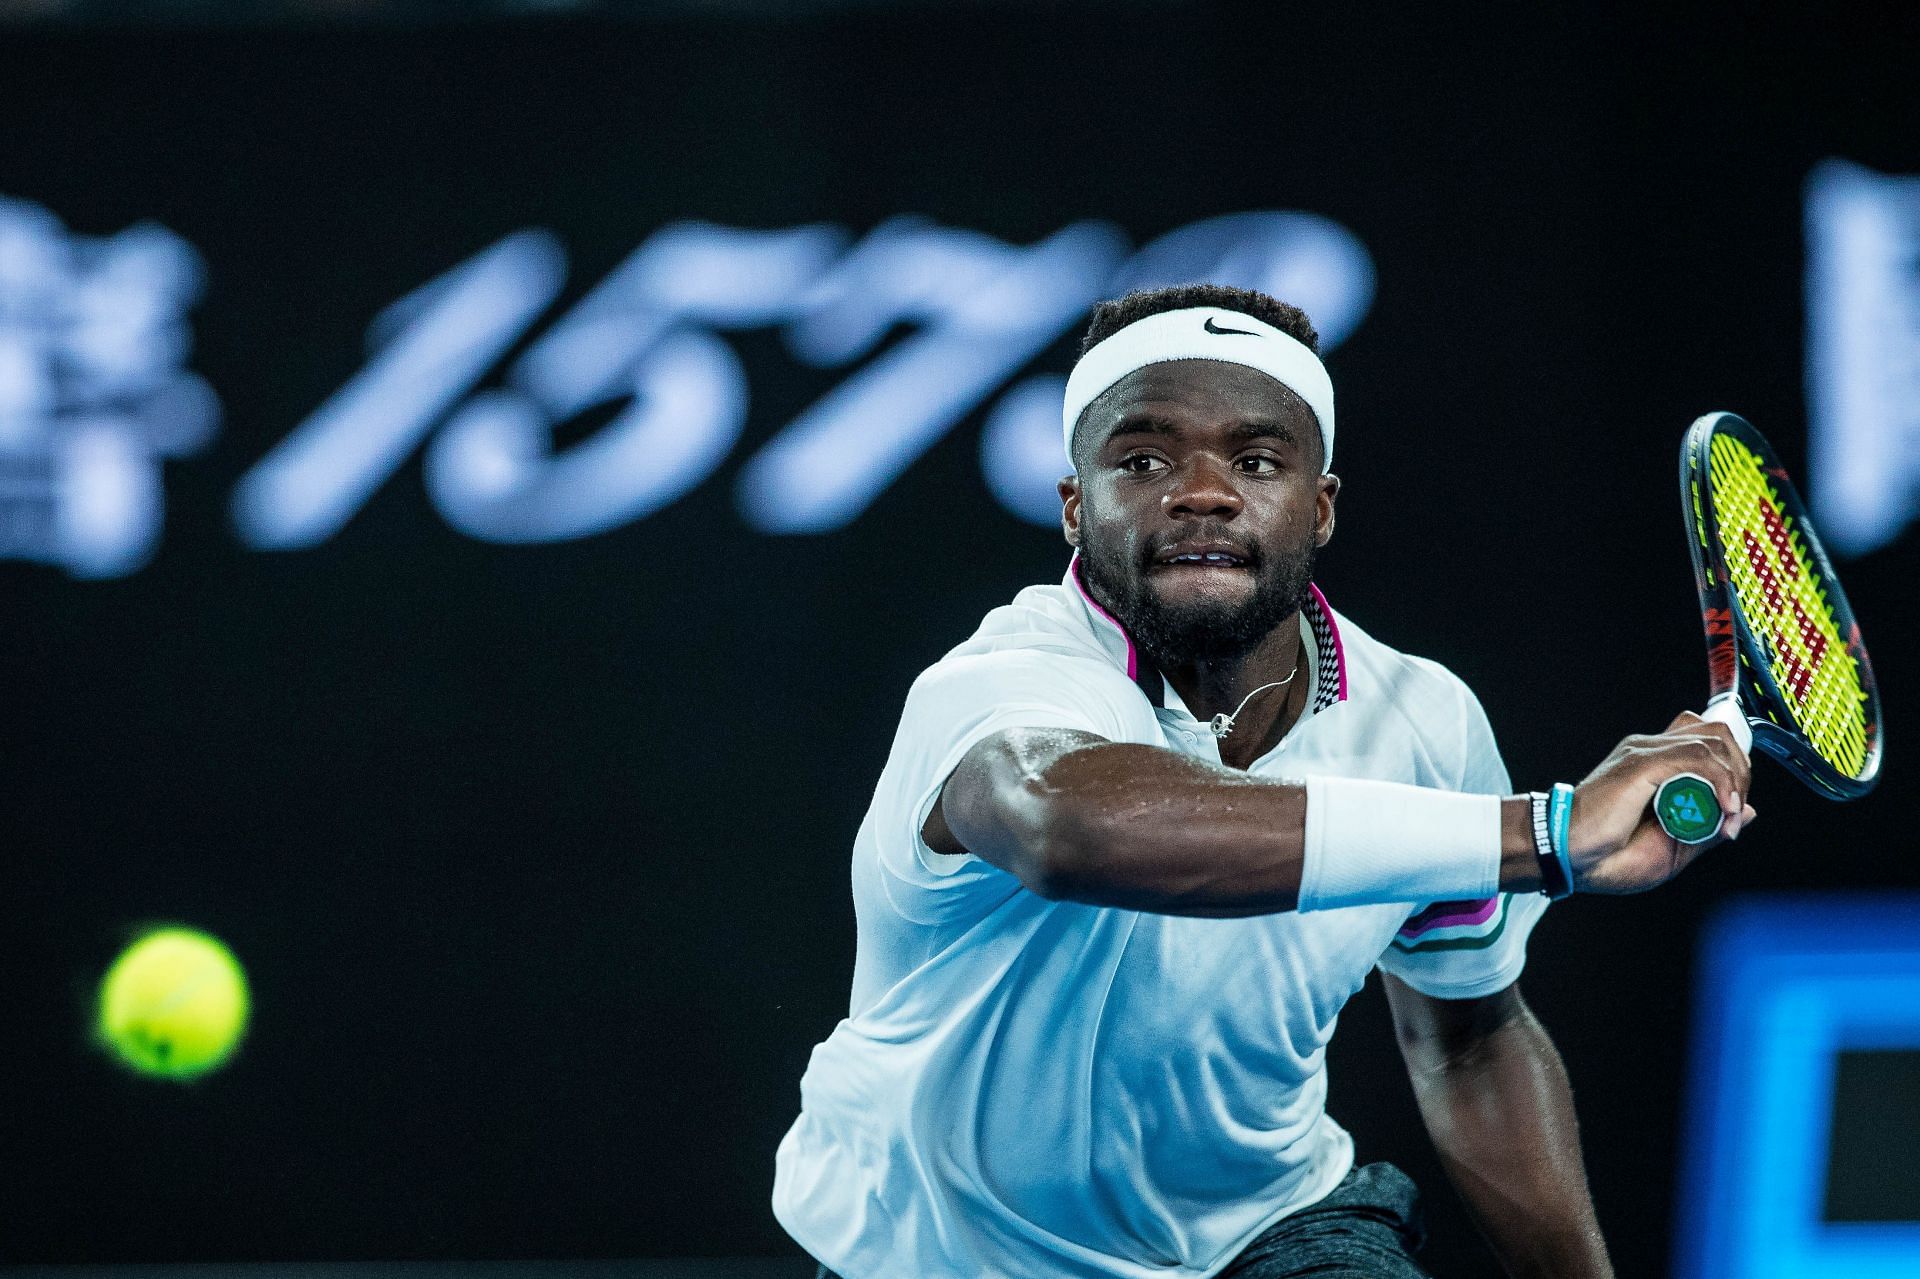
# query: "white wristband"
1370, 842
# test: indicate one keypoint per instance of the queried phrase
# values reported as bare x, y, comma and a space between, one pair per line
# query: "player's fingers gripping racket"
1789, 672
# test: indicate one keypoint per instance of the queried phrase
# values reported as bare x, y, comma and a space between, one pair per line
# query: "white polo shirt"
1025, 1087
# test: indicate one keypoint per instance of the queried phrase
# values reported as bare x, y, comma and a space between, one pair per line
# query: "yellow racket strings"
1781, 595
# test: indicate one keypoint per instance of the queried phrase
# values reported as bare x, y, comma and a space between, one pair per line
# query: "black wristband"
1553, 875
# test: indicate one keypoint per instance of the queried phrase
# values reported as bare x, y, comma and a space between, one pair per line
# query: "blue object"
1786, 984
1560, 827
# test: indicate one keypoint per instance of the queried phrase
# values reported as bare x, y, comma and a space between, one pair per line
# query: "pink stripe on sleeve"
1478, 913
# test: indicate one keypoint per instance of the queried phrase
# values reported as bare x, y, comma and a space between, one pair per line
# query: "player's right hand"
1617, 845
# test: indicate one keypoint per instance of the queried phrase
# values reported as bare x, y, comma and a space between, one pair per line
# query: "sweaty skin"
1199, 450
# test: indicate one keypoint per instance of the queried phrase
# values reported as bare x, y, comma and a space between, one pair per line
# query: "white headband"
1203, 333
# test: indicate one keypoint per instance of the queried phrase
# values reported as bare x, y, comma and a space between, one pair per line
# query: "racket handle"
1685, 804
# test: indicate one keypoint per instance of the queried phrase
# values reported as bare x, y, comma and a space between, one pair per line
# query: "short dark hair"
1110, 317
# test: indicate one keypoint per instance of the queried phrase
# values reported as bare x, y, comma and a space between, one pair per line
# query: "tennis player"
1141, 837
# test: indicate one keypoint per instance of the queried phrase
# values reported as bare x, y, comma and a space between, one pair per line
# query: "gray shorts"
1368, 1227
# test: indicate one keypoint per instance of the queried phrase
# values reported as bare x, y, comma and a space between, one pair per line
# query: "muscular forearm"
1500, 1112
1150, 829
1140, 827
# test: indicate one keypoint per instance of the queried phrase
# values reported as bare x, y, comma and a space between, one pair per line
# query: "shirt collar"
1327, 661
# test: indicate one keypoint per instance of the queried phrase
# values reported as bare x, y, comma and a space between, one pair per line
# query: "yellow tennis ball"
174, 1005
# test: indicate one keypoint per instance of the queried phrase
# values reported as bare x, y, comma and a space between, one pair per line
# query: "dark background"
536, 855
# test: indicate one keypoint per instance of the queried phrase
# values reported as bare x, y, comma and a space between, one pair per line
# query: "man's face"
1195, 458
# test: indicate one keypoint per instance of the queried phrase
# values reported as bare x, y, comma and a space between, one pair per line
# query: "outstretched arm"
1078, 817
1497, 1104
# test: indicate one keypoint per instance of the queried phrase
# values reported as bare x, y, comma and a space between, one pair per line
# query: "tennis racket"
1788, 671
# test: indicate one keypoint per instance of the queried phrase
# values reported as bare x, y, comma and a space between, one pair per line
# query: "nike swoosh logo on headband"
1211, 327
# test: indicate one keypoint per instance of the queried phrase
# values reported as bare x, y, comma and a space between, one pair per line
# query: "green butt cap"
1687, 808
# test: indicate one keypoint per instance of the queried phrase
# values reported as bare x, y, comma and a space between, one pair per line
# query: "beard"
1195, 631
